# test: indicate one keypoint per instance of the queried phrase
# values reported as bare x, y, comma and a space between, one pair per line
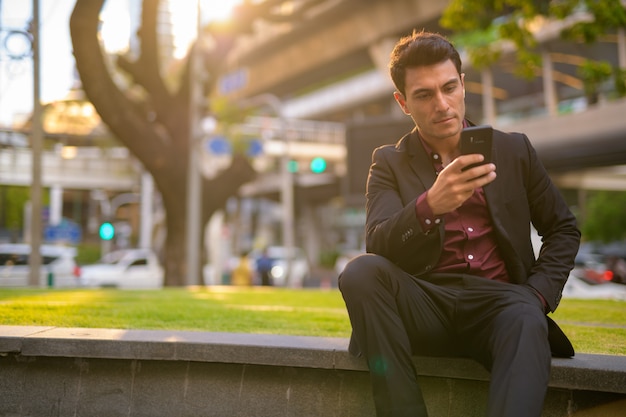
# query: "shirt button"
470, 229
437, 221
470, 257
428, 221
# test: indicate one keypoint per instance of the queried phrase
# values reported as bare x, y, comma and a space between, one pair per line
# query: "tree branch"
118, 112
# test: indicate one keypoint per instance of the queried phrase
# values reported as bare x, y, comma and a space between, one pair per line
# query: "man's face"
435, 99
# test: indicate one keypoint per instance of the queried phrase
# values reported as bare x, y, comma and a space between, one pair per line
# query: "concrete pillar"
312, 240
582, 205
621, 48
217, 249
380, 51
56, 205
146, 219
489, 103
549, 89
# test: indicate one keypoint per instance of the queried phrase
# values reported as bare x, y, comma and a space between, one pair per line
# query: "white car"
580, 288
58, 266
126, 269
299, 266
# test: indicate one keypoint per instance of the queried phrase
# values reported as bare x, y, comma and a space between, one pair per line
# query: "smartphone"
477, 139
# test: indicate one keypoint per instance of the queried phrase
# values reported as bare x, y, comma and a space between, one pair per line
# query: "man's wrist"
425, 214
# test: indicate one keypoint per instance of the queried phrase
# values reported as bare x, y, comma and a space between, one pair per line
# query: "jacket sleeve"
392, 227
556, 225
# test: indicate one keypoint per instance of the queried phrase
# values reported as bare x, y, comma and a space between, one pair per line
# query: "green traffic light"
107, 231
318, 165
292, 166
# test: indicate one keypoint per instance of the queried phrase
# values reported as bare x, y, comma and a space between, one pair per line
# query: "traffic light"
107, 231
292, 166
318, 165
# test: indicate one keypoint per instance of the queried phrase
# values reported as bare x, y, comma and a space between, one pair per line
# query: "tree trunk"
155, 128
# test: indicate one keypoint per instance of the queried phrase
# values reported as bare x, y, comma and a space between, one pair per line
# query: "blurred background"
182, 138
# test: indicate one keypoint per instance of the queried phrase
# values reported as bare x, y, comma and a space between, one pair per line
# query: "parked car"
128, 268
599, 263
300, 268
58, 265
617, 266
581, 288
593, 271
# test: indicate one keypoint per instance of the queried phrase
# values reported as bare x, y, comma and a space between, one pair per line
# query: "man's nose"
441, 104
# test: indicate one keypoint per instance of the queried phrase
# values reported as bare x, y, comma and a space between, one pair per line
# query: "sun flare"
218, 10
185, 19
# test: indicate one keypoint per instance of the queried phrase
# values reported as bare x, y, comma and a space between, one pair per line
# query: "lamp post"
194, 177
37, 147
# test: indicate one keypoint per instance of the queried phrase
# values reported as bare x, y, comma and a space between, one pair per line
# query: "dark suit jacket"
522, 194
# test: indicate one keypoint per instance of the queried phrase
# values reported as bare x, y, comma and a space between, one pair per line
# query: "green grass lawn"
594, 326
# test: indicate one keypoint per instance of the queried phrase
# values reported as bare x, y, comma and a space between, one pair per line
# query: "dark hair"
420, 49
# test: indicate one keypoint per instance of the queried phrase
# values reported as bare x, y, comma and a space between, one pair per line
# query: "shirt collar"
435, 158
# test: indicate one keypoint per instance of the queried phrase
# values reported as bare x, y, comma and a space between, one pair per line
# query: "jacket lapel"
419, 160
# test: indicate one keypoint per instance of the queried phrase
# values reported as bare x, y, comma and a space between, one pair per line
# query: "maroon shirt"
469, 245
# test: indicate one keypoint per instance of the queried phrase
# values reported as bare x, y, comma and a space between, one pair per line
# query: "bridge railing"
80, 168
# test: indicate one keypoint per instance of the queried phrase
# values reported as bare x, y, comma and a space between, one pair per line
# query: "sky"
57, 63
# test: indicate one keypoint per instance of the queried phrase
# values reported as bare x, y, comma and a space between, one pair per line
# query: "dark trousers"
266, 279
395, 316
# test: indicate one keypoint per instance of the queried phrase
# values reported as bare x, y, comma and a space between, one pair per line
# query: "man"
450, 268
264, 267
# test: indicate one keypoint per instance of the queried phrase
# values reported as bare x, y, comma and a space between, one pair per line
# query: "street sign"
66, 231
233, 81
218, 145
255, 148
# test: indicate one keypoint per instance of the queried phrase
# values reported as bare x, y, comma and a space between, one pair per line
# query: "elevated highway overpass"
112, 169
590, 138
332, 66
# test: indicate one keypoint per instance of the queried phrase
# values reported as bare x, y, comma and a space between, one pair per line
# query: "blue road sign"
218, 145
255, 148
65, 231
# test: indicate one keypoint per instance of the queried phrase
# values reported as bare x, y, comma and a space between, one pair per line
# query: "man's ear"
401, 102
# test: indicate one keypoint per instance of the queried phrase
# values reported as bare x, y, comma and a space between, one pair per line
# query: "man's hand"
454, 186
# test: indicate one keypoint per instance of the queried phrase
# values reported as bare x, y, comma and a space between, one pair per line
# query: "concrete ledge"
161, 373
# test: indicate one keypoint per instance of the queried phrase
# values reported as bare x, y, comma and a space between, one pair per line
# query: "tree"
154, 126
604, 219
481, 25
13, 199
